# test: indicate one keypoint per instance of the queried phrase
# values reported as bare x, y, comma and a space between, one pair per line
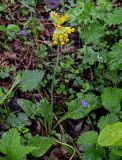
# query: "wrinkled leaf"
76, 110
110, 134
88, 138
30, 79
42, 143
10, 145
90, 33
111, 99
12, 28
29, 108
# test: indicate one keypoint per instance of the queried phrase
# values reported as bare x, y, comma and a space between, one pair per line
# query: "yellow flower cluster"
61, 33
58, 19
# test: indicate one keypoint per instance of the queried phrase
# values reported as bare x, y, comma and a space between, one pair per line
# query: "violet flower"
83, 103
23, 32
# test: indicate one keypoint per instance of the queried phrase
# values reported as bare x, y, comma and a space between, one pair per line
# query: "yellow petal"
72, 29
67, 40
66, 16
69, 31
60, 37
62, 43
55, 42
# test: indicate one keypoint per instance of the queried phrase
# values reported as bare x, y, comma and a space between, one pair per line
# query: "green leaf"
2, 94
12, 28
111, 118
12, 120
10, 146
29, 108
114, 156
2, 158
117, 152
81, 13
76, 110
115, 57
115, 17
46, 112
2, 8
110, 134
90, 33
21, 119
94, 154
88, 138
2, 28
42, 143
30, 79
118, 143
111, 99
89, 55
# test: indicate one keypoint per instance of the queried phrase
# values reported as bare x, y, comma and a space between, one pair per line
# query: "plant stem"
54, 75
11, 89
90, 66
65, 144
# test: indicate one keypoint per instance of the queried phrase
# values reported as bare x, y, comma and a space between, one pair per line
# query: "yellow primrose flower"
55, 42
60, 35
67, 16
67, 40
62, 43
58, 19
62, 20
73, 29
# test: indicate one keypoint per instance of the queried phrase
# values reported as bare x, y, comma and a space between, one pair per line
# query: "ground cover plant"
60, 80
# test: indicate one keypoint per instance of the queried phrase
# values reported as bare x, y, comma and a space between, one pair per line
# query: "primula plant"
60, 80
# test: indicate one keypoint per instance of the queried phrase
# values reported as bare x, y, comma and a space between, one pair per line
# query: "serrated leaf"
12, 120
90, 33
29, 108
10, 146
42, 143
12, 28
21, 119
30, 79
115, 57
88, 138
90, 56
111, 99
94, 154
110, 134
111, 118
115, 17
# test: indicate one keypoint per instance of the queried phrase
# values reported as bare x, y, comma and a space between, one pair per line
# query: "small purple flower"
23, 32
83, 103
